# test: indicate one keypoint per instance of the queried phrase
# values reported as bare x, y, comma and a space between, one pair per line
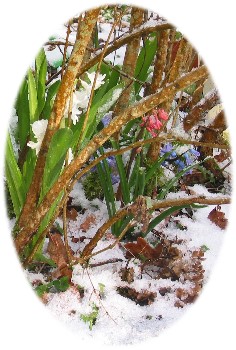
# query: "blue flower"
167, 148
180, 164
111, 161
106, 119
115, 179
194, 152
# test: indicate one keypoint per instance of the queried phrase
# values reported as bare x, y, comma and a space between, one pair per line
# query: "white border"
25, 25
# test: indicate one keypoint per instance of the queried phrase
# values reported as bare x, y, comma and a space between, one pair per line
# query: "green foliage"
59, 145
60, 285
144, 61
91, 317
101, 287
204, 248
9, 204
92, 186
14, 179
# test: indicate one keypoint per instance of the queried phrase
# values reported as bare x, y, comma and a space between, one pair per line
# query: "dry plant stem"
169, 51
129, 65
99, 298
175, 71
65, 49
143, 30
160, 62
58, 111
58, 43
158, 205
101, 231
204, 105
110, 246
125, 74
45, 232
130, 59
176, 111
33, 217
110, 261
95, 79
64, 215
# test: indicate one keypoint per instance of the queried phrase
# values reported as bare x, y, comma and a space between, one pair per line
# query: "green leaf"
22, 110
42, 258
101, 287
162, 216
41, 73
33, 99
59, 145
51, 92
157, 164
28, 168
99, 109
43, 288
62, 284
170, 184
14, 178
91, 317
113, 79
122, 173
144, 61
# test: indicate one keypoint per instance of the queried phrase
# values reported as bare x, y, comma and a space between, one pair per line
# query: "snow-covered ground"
120, 320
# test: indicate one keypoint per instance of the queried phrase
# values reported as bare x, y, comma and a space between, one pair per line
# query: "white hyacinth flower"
39, 128
70, 156
99, 80
81, 97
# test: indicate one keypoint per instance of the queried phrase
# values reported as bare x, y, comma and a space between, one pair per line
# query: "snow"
135, 323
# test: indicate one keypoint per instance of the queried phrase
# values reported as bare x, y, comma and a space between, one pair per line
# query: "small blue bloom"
173, 154
180, 164
194, 152
111, 161
167, 148
115, 179
188, 158
107, 119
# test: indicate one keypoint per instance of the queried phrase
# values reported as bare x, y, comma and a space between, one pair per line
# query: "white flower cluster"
80, 102
81, 97
39, 128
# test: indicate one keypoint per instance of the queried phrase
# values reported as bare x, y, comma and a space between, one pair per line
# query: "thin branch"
158, 205
143, 30
95, 79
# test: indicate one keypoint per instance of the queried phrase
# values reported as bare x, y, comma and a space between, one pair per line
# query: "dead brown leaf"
142, 250
88, 222
127, 274
57, 252
71, 214
218, 217
142, 298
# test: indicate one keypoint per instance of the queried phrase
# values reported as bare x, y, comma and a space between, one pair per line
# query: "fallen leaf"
71, 214
142, 298
88, 222
57, 252
218, 217
127, 274
142, 250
